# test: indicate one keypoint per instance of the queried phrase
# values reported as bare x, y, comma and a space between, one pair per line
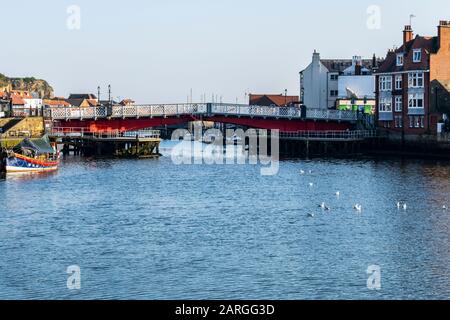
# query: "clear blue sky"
157, 50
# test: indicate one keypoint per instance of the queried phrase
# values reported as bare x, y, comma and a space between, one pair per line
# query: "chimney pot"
408, 34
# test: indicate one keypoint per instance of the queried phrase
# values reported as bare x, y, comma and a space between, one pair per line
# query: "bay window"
416, 100
416, 80
386, 83
385, 105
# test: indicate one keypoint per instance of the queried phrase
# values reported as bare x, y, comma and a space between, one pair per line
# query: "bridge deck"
196, 110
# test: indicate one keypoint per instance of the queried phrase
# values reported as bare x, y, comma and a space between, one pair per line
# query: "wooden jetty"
141, 144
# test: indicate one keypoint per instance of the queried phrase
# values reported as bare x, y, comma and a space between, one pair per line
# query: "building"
25, 104
5, 105
84, 96
319, 82
18, 106
270, 100
356, 88
56, 102
127, 102
33, 103
404, 83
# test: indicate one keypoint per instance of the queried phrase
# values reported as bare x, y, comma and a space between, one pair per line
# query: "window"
416, 100
400, 59
334, 77
385, 105
398, 82
416, 122
417, 55
415, 80
398, 122
334, 93
386, 83
398, 104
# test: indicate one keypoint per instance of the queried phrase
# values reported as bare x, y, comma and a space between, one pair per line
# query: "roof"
56, 102
339, 65
427, 44
83, 96
272, 99
79, 102
127, 101
17, 100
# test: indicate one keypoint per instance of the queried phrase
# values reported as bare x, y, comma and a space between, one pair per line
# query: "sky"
159, 51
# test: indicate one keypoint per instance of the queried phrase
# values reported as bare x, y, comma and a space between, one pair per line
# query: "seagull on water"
302, 172
444, 207
405, 206
338, 194
311, 215
322, 205
311, 184
358, 207
399, 205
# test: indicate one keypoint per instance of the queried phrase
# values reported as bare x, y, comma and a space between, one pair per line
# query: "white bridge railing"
135, 111
205, 109
330, 135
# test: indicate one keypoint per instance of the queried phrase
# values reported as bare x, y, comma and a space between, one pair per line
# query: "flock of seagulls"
401, 205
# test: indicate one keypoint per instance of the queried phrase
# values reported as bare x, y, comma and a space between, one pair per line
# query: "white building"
319, 82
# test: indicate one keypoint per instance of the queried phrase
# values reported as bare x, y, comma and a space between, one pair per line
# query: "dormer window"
400, 59
417, 55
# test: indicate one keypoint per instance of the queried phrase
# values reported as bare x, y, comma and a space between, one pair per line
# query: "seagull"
311, 184
405, 206
358, 207
311, 215
322, 205
399, 205
302, 172
327, 208
338, 194
444, 207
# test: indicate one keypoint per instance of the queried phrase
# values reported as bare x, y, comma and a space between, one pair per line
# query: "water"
150, 229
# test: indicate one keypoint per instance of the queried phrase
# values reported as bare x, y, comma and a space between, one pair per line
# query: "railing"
134, 111
282, 112
330, 135
61, 132
255, 111
69, 132
324, 114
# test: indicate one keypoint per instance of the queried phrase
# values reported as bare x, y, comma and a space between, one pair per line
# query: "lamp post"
285, 97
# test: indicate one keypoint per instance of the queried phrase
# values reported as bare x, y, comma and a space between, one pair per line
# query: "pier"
80, 141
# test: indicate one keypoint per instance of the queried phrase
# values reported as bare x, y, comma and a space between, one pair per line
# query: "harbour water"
150, 229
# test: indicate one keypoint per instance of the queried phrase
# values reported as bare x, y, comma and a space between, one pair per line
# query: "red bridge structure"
117, 118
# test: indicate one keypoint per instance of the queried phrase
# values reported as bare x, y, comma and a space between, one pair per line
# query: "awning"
40, 146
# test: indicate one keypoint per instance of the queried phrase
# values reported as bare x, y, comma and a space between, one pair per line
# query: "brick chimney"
444, 33
408, 34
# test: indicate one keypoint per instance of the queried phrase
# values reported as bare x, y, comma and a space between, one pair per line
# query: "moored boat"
31, 155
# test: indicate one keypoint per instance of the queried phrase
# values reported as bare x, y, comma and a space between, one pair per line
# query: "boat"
31, 155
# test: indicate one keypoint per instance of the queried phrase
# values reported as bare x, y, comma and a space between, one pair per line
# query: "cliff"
28, 84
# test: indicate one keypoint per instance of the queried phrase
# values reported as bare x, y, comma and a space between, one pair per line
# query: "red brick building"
403, 89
